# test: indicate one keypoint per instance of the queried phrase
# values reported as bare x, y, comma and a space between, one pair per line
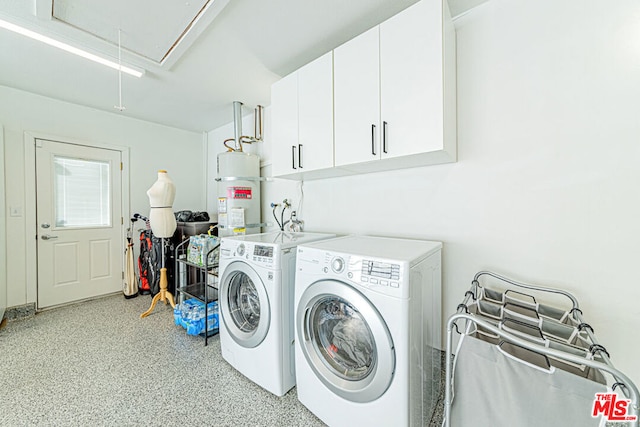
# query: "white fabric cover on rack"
493, 389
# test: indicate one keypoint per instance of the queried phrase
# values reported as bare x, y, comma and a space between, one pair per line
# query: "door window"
244, 302
81, 192
342, 338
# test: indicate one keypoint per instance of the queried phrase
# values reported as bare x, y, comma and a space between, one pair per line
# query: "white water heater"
238, 193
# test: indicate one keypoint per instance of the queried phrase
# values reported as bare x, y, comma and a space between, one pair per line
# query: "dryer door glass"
342, 338
345, 341
244, 302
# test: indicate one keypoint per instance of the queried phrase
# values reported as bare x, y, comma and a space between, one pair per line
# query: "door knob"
48, 237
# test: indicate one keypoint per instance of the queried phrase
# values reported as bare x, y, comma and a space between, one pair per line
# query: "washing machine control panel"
263, 251
261, 254
264, 255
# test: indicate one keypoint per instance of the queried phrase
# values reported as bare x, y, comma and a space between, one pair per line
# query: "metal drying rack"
200, 287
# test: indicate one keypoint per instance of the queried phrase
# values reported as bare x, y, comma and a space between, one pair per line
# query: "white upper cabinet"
387, 100
315, 114
357, 99
302, 116
411, 81
395, 92
284, 116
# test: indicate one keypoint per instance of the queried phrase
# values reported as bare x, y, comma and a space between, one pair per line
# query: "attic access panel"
149, 28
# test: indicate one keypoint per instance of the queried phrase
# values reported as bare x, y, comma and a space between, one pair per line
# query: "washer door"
244, 304
345, 340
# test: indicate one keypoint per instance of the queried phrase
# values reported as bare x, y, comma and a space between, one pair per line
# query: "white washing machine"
368, 330
256, 303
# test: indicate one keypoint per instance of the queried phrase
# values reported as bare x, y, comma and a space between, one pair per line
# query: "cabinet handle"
293, 156
300, 156
384, 137
373, 139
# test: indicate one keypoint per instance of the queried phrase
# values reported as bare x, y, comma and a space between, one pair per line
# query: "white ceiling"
249, 45
104, 20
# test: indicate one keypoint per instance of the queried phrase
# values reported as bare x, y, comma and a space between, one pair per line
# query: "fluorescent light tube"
68, 48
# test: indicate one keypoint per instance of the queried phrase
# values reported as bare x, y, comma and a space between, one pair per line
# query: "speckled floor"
98, 364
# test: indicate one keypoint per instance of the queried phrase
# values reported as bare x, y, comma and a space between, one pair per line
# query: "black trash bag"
200, 217
190, 216
184, 216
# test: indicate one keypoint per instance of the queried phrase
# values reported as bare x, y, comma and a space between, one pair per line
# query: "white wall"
152, 147
546, 186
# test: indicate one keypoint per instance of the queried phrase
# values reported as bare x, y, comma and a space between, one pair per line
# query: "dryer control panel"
380, 275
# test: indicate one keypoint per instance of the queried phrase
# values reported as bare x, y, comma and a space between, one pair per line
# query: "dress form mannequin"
163, 224
161, 196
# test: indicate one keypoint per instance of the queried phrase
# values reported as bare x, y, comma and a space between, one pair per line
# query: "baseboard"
20, 311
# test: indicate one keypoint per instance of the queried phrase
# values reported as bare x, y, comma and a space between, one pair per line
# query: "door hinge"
123, 275
121, 220
121, 167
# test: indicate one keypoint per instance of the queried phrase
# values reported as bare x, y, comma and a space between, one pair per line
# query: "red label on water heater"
239, 192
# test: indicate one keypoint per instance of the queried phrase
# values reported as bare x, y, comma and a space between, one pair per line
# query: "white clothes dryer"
368, 330
256, 304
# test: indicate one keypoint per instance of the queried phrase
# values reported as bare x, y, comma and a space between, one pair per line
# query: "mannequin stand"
163, 295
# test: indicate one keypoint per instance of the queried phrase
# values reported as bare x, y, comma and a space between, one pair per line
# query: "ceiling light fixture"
68, 48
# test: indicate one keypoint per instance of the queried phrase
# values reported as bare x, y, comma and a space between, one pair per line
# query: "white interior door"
79, 214
3, 235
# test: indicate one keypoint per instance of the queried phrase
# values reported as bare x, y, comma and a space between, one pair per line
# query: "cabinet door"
315, 115
357, 99
284, 117
411, 80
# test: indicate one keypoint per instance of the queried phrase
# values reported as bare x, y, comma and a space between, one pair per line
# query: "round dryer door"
244, 304
345, 341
